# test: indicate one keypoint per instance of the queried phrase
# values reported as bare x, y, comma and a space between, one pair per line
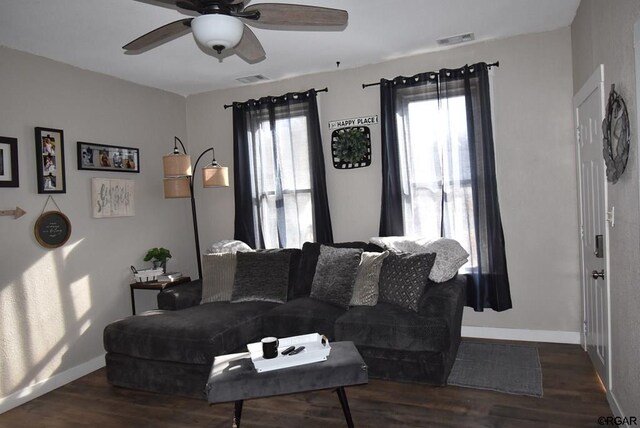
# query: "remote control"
288, 350
297, 350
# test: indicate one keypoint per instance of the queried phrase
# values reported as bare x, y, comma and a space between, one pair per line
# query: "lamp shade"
217, 31
177, 187
176, 165
215, 176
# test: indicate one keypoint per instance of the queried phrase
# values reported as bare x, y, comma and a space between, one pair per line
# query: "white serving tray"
314, 351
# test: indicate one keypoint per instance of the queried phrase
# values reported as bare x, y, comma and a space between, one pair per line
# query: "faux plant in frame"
351, 147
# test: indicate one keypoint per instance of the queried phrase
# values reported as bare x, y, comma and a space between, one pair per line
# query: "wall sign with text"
112, 197
52, 229
356, 121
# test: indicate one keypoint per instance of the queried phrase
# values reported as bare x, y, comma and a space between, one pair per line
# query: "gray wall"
535, 159
602, 33
54, 304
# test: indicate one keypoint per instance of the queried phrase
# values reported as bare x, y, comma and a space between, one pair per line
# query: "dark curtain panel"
488, 285
322, 217
268, 189
391, 223
244, 229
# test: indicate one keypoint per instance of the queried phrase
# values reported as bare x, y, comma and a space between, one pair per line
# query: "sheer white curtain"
435, 176
280, 175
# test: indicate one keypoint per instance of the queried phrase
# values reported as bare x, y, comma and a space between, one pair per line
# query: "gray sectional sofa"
171, 350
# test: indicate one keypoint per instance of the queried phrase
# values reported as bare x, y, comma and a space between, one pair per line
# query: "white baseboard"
615, 407
571, 337
47, 385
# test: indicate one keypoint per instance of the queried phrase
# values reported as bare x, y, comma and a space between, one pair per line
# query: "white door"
589, 105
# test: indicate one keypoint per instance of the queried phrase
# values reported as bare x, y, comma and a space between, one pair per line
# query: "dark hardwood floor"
573, 397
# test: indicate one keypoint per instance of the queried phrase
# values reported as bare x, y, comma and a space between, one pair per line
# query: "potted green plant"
159, 257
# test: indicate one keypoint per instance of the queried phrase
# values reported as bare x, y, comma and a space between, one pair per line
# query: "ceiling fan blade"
249, 48
183, 4
160, 35
298, 15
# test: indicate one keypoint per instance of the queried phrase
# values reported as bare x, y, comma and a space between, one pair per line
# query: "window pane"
282, 194
435, 168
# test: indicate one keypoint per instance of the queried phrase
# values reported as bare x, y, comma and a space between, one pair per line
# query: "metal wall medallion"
351, 147
616, 136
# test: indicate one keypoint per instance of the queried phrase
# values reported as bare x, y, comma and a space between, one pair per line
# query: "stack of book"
169, 277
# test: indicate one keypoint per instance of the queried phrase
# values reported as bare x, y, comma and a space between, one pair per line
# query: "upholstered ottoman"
234, 378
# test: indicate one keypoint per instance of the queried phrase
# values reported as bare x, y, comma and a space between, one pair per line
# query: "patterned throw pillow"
365, 290
450, 256
336, 275
261, 276
404, 277
218, 272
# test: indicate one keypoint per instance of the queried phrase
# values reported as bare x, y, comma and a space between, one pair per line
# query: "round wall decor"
615, 136
52, 229
351, 147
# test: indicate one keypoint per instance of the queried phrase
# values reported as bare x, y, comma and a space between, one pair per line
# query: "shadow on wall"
45, 314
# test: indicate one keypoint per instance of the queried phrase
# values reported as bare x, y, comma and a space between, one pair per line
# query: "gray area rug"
514, 369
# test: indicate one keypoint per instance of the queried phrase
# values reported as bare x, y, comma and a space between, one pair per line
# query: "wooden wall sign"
52, 229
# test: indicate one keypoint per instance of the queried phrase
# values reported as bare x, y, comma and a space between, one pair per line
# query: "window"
435, 168
281, 182
439, 173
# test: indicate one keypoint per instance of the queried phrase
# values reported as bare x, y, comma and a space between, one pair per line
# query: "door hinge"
585, 330
611, 217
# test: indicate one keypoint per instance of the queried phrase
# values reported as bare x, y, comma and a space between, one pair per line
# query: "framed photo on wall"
8, 162
103, 157
50, 160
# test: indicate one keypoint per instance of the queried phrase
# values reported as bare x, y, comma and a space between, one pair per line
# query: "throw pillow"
261, 276
310, 254
450, 256
365, 289
336, 275
228, 246
404, 277
218, 272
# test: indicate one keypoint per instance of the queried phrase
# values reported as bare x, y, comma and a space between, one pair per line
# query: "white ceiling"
90, 33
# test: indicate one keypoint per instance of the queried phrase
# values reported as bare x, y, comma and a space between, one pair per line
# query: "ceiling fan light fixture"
217, 31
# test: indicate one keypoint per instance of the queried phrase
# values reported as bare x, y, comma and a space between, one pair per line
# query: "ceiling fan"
222, 24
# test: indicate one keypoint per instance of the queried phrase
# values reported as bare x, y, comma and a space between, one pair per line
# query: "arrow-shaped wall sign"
17, 213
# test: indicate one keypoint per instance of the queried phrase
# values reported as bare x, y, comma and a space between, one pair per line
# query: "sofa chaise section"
158, 350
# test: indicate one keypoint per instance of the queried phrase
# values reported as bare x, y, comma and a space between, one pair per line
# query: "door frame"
594, 83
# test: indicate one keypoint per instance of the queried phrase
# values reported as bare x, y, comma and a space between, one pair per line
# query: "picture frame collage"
115, 197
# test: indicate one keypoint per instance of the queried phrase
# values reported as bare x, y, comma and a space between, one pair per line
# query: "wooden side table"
153, 285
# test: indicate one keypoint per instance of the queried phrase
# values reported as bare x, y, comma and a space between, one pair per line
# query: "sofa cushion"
218, 272
193, 335
295, 254
302, 316
335, 275
310, 254
365, 289
404, 277
262, 277
388, 326
450, 256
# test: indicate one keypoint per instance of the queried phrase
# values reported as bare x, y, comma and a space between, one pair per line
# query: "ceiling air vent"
454, 40
252, 79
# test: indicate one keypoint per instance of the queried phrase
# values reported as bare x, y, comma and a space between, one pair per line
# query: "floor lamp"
178, 181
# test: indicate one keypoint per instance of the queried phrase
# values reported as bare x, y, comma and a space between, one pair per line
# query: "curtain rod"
366, 85
226, 106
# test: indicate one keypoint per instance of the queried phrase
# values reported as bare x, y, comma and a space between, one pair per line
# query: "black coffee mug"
269, 347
